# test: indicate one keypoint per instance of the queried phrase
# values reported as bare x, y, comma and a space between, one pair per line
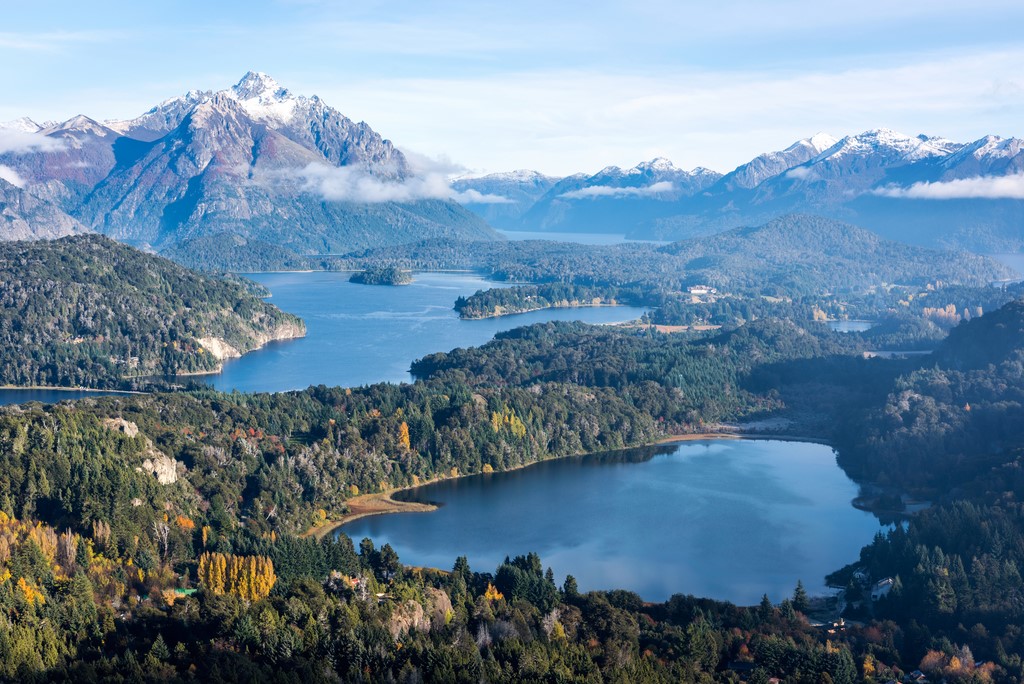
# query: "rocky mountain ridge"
903, 187
252, 160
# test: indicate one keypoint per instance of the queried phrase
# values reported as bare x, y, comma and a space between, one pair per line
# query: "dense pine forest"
87, 311
161, 537
169, 536
382, 275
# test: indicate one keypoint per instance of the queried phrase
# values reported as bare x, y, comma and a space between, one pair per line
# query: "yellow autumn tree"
403, 435
249, 577
31, 592
213, 572
492, 593
508, 418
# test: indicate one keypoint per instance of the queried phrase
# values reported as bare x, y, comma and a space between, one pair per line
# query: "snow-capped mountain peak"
79, 124
22, 125
263, 98
704, 171
517, 176
819, 142
656, 164
256, 84
890, 144
932, 147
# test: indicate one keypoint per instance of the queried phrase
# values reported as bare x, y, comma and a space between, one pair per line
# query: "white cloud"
979, 187
21, 142
11, 176
595, 191
567, 121
800, 173
50, 41
354, 184
476, 197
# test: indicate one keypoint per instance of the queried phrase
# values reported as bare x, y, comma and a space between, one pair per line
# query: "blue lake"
1014, 261
727, 519
850, 326
360, 334
363, 334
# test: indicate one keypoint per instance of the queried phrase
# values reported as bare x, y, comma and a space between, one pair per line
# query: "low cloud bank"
11, 176
21, 142
800, 173
354, 184
596, 191
979, 187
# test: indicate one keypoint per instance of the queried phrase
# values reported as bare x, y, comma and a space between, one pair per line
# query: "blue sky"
556, 86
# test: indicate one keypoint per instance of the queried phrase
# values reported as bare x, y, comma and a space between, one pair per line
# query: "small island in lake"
382, 275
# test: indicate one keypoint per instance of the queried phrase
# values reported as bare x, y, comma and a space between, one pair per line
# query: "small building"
882, 588
701, 290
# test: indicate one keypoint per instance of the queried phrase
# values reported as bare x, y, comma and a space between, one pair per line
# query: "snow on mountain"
61, 162
517, 176
519, 190
771, 164
21, 125
79, 130
992, 146
264, 98
308, 121
252, 159
164, 117
648, 173
888, 145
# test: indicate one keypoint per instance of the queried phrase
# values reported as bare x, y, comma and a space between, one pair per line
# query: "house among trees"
881, 588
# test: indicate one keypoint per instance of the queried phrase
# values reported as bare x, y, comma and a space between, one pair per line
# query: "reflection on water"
729, 519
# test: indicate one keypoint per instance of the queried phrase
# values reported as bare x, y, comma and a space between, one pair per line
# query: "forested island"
160, 536
504, 301
87, 311
382, 275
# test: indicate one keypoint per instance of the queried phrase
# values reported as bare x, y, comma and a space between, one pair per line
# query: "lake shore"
365, 505
516, 312
382, 503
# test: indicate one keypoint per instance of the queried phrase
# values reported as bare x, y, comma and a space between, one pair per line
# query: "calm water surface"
1014, 261
727, 519
362, 334
850, 326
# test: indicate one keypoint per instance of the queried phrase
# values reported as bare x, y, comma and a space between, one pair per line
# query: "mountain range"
282, 176
254, 162
918, 189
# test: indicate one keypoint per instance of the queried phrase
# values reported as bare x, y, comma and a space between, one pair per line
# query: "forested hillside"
114, 509
798, 267
956, 422
87, 311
